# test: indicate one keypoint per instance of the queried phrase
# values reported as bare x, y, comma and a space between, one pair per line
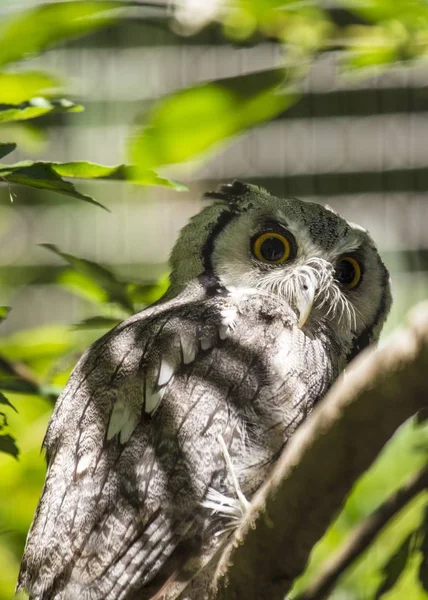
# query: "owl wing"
132, 449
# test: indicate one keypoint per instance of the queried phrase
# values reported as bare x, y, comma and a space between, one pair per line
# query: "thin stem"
363, 536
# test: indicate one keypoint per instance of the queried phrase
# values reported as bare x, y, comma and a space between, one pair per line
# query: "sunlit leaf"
31, 31
21, 595
304, 25
423, 567
6, 148
115, 289
395, 567
42, 175
49, 176
4, 311
87, 170
181, 126
97, 323
5, 401
35, 343
148, 294
409, 11
369, 46
36, 107
20, 87
5, 532
81, 285
3, 421
8, 445
421, 432
395, 31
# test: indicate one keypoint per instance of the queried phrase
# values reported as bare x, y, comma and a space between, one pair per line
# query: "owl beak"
305, 301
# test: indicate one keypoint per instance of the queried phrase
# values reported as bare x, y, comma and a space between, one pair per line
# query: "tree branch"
320, 464
363, 536
20, 371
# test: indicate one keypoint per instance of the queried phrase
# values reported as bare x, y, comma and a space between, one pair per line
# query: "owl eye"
348, 272
272, 247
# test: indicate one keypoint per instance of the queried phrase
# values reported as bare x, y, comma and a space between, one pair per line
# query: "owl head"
302, 254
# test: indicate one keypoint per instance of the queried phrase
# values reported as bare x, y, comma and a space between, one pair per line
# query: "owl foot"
223, 505
243, 502
233, 508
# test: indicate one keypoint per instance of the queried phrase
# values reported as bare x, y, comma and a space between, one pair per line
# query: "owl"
172, 421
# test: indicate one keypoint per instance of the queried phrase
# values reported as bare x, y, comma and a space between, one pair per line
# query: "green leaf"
32, 31
5, 532
408, 11
49, 341
181, 126
20, 87
395, 31
36, 107
3, 423
42, 175
105, 278
21, 595
422, 416
423, 567
13, 384
5, 401
87, 170
6, 148
4, 311
8, 445
97, 323
81, 285
395, 567
49, 176
148, 294
305, 26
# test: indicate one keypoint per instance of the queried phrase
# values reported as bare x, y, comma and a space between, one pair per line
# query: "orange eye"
271, 247
348, 272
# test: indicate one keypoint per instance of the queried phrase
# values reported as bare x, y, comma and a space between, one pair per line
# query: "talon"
244, 504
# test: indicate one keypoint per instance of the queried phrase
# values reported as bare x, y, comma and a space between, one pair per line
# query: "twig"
363, 536
320, 464
22, 373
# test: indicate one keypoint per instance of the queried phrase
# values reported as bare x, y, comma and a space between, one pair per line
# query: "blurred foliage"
6, 148
383, 32
423, 547
31, 31
28, 95
386, 558
180, 127
185, 124
304, 27
50, 176
36, 107
18, 87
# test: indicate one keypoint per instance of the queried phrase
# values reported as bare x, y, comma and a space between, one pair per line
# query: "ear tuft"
229, 192
328, 207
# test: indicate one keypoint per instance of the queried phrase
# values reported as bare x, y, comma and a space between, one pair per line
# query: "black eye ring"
348, 272
273, 246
